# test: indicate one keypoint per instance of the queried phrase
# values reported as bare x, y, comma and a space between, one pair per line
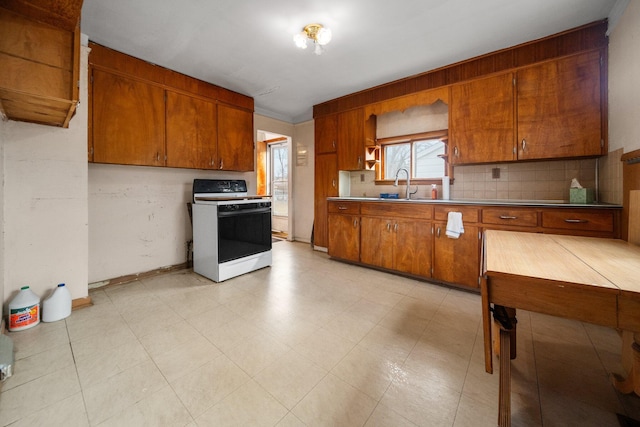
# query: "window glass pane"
396, 157
426, 163
280, 192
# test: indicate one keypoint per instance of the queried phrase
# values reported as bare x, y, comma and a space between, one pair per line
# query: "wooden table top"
606, 263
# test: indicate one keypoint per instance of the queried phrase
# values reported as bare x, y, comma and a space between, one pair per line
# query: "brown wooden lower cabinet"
457, 260
344, 237
402, 245
411, 238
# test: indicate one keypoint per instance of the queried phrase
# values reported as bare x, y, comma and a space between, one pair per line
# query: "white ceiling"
247, 45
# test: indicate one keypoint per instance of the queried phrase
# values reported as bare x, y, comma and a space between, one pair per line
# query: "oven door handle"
244, 212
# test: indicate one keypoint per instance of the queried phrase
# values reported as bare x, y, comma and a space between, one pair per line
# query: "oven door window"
243, 233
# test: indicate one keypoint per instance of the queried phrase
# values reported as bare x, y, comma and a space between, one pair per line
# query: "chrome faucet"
408, 192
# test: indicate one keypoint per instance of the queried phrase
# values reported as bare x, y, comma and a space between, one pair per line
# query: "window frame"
442, 135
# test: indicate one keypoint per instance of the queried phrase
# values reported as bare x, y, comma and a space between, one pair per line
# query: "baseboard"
79, 303
144, 275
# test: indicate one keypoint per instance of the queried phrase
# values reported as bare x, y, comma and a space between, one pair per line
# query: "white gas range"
231, 229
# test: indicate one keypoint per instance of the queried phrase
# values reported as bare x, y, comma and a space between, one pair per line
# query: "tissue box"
581, 195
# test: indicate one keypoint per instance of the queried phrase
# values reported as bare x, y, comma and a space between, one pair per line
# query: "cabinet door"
482, 121
326, 185
344, 237
457, 260
191, 132
128, 121
235, 139
326, 133
377, 237
412, 249
351, 140
559, 108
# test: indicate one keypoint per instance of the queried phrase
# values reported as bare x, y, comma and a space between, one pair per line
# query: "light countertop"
485, 202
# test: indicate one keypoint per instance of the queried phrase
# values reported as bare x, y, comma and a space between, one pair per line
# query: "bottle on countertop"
434, 192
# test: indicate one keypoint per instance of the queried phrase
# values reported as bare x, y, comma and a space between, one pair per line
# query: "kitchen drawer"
344, 207
469, 214
578, 220
399, 210
510, 217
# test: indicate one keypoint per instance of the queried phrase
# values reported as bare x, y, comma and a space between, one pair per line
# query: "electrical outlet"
495, 173
361, 177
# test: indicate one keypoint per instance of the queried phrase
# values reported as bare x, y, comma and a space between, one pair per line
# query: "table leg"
632, 383
506, 317
486, 326
504, 399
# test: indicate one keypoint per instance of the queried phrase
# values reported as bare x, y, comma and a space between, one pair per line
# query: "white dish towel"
454, 225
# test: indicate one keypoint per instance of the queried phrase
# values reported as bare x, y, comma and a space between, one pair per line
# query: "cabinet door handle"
221, 164
524, 144
355, 223
388, 226
342, 208
508, 217
157, 156
395, 227
333, 143
576, 221
438, 232
455, 151
359, 162
333, 183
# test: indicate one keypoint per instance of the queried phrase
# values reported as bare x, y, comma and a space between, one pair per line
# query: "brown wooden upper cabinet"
326, 134
556, 114
351, 140
192, 137
40, 63
128, 125
559, 108
482, 121
143, 114
235, 139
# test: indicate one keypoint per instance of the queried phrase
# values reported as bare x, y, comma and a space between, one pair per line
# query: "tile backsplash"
545, 180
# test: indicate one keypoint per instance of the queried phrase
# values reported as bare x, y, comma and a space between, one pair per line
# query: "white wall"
138, 217
45, 203
303, 182
624, 87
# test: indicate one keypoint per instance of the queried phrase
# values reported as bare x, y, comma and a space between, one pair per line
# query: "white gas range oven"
231, 229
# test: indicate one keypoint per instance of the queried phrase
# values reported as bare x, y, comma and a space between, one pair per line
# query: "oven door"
243, 230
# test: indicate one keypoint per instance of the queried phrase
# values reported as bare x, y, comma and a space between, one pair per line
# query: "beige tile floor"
307, 342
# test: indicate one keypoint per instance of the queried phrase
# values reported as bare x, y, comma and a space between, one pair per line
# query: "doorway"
278, 172
274, 179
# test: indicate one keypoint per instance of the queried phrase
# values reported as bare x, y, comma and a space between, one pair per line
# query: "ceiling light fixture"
316, 32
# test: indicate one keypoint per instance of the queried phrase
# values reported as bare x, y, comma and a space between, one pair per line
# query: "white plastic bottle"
58, 305
24, 310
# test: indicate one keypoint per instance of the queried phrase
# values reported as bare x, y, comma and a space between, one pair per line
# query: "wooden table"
584, 278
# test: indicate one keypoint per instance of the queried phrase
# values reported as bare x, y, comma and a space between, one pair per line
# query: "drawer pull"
508, 217
355, 223
576, 221
342, 208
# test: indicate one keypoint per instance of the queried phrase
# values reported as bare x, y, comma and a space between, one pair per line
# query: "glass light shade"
323, 36
300, 40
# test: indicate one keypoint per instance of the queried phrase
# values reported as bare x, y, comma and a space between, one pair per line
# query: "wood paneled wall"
587, 37
63, 14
